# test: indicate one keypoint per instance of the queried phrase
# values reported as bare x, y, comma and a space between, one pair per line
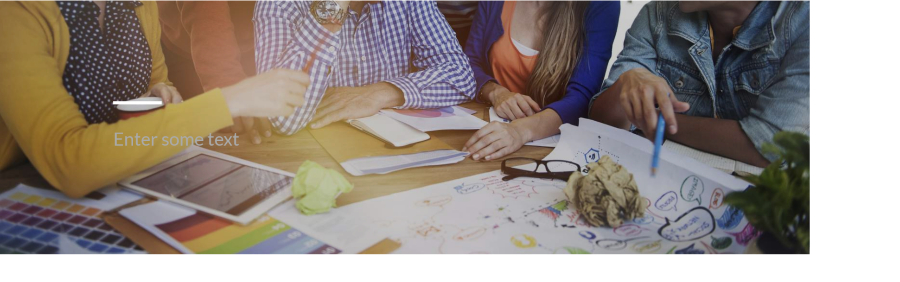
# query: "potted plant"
778, 203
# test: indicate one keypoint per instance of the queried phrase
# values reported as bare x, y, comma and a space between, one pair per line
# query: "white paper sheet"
483, 214
447, 118
388, 164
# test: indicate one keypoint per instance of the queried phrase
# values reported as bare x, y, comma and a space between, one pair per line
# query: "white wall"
629, 11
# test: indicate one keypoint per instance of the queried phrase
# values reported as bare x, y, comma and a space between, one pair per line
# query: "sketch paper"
446, 118
549, 142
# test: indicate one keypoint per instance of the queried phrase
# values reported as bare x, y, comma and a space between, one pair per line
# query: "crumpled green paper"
316, 188
607, 195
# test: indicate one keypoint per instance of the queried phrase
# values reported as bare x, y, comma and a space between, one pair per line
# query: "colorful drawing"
628, 230
570, 251
692, 225
554, 211
748, 233
647, 247
37, 221
469, 234
692, 189
667, 201
730, 218
615, 244
470, 188
523, 241
205, 234
435, 201
689, 250
720, 243
511, 190
433, 113
715, 201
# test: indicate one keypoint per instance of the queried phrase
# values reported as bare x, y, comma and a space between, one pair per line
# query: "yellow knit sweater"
40, 119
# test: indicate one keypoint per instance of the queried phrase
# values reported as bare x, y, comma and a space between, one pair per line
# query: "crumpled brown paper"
607, 195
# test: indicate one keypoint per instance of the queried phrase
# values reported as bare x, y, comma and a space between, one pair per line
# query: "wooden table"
289, 152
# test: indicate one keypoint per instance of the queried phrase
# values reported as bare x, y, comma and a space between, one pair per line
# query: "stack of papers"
388, 164
447, 118
360, 153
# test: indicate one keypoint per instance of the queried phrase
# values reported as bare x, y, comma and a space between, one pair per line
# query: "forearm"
607, 108
717, 136
386, 95
540, 125
490, 90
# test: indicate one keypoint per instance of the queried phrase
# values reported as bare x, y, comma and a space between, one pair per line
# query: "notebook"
389, 130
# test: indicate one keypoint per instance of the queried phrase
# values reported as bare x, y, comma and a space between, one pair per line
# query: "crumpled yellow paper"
316, 188
607, 195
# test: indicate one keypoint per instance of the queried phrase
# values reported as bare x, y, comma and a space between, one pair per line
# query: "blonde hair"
563, 38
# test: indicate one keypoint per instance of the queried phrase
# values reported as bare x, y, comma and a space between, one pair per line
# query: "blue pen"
657, 145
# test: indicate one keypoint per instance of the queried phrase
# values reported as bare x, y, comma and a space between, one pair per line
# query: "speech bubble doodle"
731, 218
648, 205
627, 230
694, 224
469, 188
747, 234
556, 184
720, 243
690, 250
667, 201
611, 244
647, 219
570, 251
435, 201
715, 201
646, 247
615, 244
471, 233
692, 189
587, 234
523, 241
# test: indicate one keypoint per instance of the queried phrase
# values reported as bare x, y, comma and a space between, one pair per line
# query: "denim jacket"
760, 79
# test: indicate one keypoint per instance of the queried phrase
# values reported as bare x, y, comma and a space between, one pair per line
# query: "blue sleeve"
601, 23
476, 47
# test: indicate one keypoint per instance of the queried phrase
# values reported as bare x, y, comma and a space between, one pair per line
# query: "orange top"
511, 68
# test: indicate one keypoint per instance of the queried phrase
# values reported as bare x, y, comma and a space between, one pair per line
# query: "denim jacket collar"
757, 30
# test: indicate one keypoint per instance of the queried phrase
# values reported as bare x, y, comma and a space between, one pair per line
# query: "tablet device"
216, 184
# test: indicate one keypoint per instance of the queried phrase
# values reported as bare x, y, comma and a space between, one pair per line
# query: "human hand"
274, 93
254, 127
640, 94
343, 103
495, 140
168, 94
511, 105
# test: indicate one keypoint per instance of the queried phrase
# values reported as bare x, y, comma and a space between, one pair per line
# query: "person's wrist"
334, 23
230, 100
523, 131
496, 95
389, 96
492, 96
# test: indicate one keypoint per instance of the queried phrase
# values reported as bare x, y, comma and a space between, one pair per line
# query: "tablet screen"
216, 183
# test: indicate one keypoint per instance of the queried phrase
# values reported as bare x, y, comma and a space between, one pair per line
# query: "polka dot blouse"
105, 66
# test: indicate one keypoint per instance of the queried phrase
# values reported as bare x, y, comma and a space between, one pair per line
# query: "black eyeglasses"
553, 169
